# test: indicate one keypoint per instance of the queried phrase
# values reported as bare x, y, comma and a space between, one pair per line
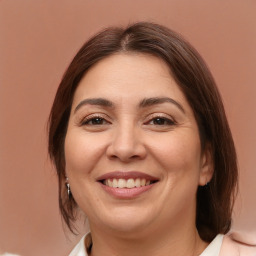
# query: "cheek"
82, 155
82, 152
178, 153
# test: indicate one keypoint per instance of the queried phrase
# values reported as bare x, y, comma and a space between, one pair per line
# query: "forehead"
124, 74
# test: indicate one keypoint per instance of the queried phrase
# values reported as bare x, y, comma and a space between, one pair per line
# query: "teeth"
110, 183
130, 183
114, 184
137, 183
121, 183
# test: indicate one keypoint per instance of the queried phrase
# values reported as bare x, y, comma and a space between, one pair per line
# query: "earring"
207, 185
68, 187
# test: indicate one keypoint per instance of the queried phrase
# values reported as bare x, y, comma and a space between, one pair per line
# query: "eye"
161, 121
96, 120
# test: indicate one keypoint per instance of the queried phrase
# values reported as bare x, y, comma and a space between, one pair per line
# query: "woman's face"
132, 149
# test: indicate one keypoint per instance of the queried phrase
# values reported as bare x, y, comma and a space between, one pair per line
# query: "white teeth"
130, 183
137, 183
114, 184
122, 183
110, 183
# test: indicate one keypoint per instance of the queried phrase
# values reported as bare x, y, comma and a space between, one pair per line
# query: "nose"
126, 144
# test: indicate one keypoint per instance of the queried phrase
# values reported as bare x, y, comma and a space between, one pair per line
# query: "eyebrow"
94, 101
159, 100
147, 102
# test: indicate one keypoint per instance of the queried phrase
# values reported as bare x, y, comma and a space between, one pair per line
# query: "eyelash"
87, 120
167, 121
162, 121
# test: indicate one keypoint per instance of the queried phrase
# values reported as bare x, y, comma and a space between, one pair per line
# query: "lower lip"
126, 193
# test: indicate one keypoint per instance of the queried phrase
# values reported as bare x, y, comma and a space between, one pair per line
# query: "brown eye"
161, 121
95, 121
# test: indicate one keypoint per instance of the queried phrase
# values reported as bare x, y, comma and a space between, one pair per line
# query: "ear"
206, 171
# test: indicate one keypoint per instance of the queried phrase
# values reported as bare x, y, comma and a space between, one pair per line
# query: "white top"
213, 249
10, 254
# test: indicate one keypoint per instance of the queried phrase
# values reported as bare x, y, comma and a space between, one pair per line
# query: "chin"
128, 221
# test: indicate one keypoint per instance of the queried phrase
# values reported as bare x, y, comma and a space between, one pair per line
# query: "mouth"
127, 184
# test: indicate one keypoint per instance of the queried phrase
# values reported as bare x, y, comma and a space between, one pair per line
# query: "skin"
161, 140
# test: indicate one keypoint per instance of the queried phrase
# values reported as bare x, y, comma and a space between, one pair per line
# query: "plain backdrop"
38, 38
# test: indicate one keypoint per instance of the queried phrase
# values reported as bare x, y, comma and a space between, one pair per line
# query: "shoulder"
239, 244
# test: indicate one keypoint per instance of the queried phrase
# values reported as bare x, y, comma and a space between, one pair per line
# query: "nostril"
125, 158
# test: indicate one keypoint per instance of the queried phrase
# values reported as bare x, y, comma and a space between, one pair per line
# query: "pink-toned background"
38, 40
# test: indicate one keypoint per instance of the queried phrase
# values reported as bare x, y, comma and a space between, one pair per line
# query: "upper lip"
126, 175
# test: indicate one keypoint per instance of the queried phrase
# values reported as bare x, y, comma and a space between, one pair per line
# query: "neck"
183, 242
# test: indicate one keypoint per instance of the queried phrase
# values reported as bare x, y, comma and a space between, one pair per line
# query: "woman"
141, 144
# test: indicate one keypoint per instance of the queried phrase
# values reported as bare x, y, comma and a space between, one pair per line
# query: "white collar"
213, 249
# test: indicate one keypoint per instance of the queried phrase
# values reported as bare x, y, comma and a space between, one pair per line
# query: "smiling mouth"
126, 180
127, 183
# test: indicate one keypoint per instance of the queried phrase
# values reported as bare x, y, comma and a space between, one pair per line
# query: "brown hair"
214, 201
